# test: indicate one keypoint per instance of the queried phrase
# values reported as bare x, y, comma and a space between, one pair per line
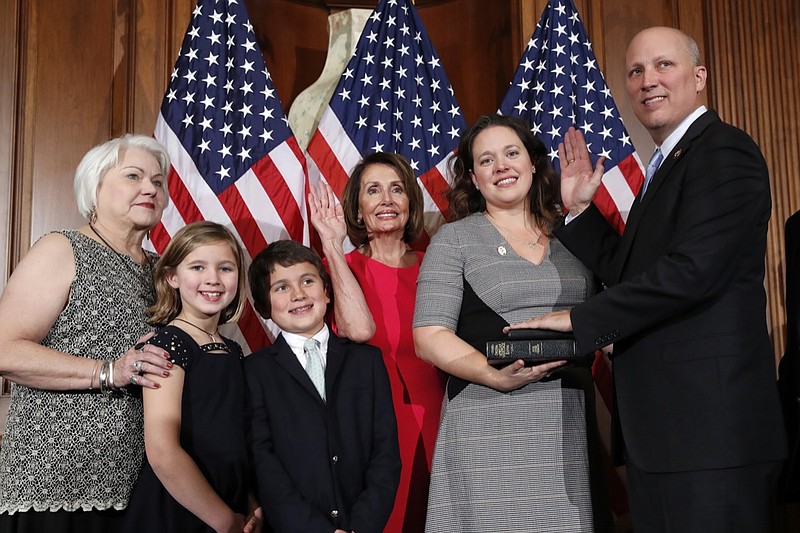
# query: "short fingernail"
157, 385
166, 373
169, 364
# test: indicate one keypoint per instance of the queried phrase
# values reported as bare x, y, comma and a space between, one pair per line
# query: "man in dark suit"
789, 370
324, 434
697, 416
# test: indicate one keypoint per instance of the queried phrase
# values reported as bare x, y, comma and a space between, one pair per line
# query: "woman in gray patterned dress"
517, 448
71, 319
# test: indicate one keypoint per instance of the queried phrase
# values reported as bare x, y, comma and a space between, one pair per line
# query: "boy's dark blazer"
323, 465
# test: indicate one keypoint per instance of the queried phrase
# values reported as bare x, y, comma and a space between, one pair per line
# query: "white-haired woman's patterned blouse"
80, 449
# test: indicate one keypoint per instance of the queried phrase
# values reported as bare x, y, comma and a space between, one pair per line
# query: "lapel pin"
501, 250
677, 153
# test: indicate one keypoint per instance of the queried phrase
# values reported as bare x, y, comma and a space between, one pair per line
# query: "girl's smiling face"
207, 280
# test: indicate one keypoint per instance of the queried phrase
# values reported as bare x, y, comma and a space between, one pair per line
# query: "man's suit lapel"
660, 178
287, 360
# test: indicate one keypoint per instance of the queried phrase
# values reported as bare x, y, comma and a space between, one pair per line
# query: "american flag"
557, 85
393, 97
234, 158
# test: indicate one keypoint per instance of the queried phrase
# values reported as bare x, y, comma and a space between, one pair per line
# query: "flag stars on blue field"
410, 95
240, 92
557, 84
397, 90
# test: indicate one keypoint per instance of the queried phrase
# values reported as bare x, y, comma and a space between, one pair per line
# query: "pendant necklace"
507, 233
143, 277
210, 334
212, 347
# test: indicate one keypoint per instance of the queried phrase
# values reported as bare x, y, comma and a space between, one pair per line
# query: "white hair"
102, 157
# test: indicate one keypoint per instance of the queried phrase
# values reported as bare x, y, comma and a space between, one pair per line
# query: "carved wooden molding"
365, 4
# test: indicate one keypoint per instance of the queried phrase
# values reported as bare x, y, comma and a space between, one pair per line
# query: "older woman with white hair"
72, 326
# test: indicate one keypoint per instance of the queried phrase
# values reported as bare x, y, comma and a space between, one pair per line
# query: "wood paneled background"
753, 53
74, 73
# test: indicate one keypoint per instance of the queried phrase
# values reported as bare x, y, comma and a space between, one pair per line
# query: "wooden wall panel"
754, 64
478, 48
8, 110
68, 89
153, 32
294, 41
67, 100
621, 23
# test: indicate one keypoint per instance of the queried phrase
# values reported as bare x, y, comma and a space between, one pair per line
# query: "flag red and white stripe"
557, 85
235, 160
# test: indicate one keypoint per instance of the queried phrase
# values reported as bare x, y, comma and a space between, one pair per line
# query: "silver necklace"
507, 233
210, 334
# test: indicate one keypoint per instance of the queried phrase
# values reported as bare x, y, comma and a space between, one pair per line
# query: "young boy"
325, 454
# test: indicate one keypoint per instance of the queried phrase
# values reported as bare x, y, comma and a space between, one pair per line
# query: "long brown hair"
185, 241
544, 196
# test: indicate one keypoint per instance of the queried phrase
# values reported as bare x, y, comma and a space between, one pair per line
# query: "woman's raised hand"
579, 181
327, 215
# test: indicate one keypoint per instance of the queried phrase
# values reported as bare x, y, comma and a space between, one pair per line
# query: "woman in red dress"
374, 290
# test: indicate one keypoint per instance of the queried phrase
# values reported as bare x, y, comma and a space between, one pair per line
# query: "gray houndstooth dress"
514, 462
